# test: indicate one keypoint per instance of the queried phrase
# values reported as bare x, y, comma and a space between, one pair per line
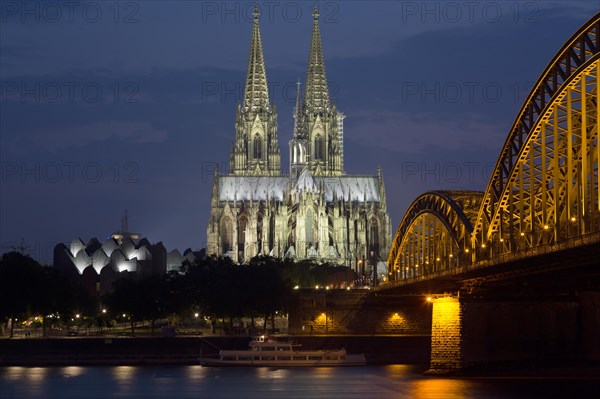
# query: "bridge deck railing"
570, 243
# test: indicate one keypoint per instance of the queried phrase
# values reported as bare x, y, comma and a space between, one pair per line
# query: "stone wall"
468, 332
358, 312
519, 330
589, 326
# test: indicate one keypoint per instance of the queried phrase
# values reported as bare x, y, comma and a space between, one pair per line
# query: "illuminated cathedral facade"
316, 211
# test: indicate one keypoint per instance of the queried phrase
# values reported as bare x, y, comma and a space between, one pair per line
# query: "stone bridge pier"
467, 332
470, 332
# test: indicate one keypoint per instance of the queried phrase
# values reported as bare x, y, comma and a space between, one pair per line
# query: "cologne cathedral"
316, 211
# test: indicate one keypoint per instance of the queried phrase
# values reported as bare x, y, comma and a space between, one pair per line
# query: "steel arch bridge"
543, 192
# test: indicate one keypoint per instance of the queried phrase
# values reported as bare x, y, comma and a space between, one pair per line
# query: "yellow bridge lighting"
546, 171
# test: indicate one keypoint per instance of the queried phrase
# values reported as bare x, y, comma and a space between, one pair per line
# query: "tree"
268, 287
28, 288
149, 298
20, 277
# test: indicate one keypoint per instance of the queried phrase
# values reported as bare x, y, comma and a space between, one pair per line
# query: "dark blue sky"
106, 108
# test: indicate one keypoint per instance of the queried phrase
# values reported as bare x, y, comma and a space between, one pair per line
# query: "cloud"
83, 135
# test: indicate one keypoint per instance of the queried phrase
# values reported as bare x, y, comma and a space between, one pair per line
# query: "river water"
392, 381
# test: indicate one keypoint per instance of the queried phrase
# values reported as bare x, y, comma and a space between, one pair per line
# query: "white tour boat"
266, 351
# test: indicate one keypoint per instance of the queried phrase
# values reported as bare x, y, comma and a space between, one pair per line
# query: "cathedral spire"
256, 93
298, 112
316, 94
255, 150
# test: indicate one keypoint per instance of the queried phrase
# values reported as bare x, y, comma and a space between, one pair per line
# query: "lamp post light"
77, 316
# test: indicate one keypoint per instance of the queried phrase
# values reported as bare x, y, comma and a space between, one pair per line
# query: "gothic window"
309, 227
292, 229
259, 231
242, 223
319, 147
272, 231
226, 235
257, 146
330, 225
374, 236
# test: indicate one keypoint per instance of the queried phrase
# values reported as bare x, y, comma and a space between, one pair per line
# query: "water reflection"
72, 371
393, 382
124, 374
14, 373
399, 369
195, 373
25, 374
323, 372
272, 373
436, 388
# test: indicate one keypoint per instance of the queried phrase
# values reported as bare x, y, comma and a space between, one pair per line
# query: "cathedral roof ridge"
349, 176
306, 182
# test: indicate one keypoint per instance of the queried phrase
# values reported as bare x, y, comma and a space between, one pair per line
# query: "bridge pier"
476, 333
447, 335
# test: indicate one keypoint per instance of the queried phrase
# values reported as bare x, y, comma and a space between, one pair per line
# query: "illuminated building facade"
316, 211
124, 254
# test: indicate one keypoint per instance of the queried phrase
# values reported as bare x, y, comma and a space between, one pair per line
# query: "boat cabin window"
284, 358
229, 358
267, 358
284, 348
268, 348
315, 358
245, 358
299, 357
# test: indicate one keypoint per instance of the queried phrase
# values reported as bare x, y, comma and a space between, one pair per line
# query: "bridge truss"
544, 188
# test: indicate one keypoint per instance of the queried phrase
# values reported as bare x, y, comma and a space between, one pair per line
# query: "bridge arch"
432, 232
544, 187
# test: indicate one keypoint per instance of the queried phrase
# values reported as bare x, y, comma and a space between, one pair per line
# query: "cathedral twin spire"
256, 148
316, 94
256, 93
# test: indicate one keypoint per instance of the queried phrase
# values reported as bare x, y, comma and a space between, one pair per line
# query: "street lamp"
358, 271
